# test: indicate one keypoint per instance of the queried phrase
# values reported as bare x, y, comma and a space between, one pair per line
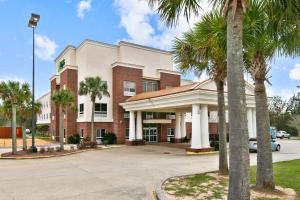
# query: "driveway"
117, 173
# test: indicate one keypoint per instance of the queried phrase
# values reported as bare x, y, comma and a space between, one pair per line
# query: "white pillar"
183, 125
131, 126
196, 136
204, 126
250, 122
178, 127
139, 126
254, 122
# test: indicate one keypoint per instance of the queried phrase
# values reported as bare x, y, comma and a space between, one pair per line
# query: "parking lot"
117, 173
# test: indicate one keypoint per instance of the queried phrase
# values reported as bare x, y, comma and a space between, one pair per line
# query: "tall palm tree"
65, 99
265, 40
94, 87
204, 49
170, 11
14, 93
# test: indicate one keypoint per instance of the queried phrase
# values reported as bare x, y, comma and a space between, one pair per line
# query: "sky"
69, 22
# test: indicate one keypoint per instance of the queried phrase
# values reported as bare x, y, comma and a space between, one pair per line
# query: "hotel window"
129, 88
149, 115
170, 116
100, 132
101, 109
81, 133
127, 133
81, 109
150, 85
126, 114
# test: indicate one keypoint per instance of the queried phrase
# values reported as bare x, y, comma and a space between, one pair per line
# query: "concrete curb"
50, 156
159, 193
202, 153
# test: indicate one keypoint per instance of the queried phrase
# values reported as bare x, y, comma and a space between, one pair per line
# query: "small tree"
94, 87
14, 94
65, 99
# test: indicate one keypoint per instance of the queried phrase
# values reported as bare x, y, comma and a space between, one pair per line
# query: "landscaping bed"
212, 186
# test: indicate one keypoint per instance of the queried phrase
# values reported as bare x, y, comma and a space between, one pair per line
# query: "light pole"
32, 23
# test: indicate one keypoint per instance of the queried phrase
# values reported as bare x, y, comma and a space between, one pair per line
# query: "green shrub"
105, 142
74, 139
42, 150
110, 137
215, 145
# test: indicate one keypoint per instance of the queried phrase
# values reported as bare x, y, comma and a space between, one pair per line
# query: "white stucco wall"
149, 58
44, 117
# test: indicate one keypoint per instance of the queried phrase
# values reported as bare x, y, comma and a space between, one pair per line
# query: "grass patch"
286, 174
43, 137
210, 186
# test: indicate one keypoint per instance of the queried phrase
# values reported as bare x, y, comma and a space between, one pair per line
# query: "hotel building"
148, 99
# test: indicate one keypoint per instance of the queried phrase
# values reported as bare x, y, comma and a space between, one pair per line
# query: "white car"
283, 134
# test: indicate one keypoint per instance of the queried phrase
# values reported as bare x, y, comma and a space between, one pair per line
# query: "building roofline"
43, 96
144, 47
64, 51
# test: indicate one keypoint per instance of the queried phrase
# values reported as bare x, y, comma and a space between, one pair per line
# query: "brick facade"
86, 126
171, 80
119, 75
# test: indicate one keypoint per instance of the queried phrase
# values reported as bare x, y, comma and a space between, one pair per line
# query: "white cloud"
9, 78
82, 7
286, 94
295, 72
135, 18
46, 47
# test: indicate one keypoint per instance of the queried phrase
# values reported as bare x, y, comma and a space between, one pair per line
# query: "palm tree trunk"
24, 137
223, 164
92, 121
13, 129
264, 175
238, 145
61, 128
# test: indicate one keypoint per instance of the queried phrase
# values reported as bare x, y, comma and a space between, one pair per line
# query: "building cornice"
124, 43
122, 64
168, 72
68, 67
64, 52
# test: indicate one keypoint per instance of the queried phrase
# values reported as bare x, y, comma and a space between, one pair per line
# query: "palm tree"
65, 99
170, 11
204, 49
25, 112
94, 87
14, 93
265, 41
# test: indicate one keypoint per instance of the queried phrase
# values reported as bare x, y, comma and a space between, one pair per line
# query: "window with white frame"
149, 115
170, 116
150, 85
100, 110
129, 88
100, 132
127, 133
170, 132
81, 109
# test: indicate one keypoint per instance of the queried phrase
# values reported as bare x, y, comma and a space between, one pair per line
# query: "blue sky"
66, 22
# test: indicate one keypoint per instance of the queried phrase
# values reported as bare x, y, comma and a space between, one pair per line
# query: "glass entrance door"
150, 134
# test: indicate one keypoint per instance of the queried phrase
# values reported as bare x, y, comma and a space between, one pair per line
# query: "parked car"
253, 145
283, 134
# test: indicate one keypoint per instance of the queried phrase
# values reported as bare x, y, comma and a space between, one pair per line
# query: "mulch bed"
26, 154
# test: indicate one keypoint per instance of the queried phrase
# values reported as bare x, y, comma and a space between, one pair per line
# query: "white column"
178, 127
139, 126
204, 126
196, 136
131, 126
183, 125
254, 122
250, 122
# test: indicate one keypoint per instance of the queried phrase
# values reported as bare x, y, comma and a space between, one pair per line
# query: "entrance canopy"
182, 98
197, 99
